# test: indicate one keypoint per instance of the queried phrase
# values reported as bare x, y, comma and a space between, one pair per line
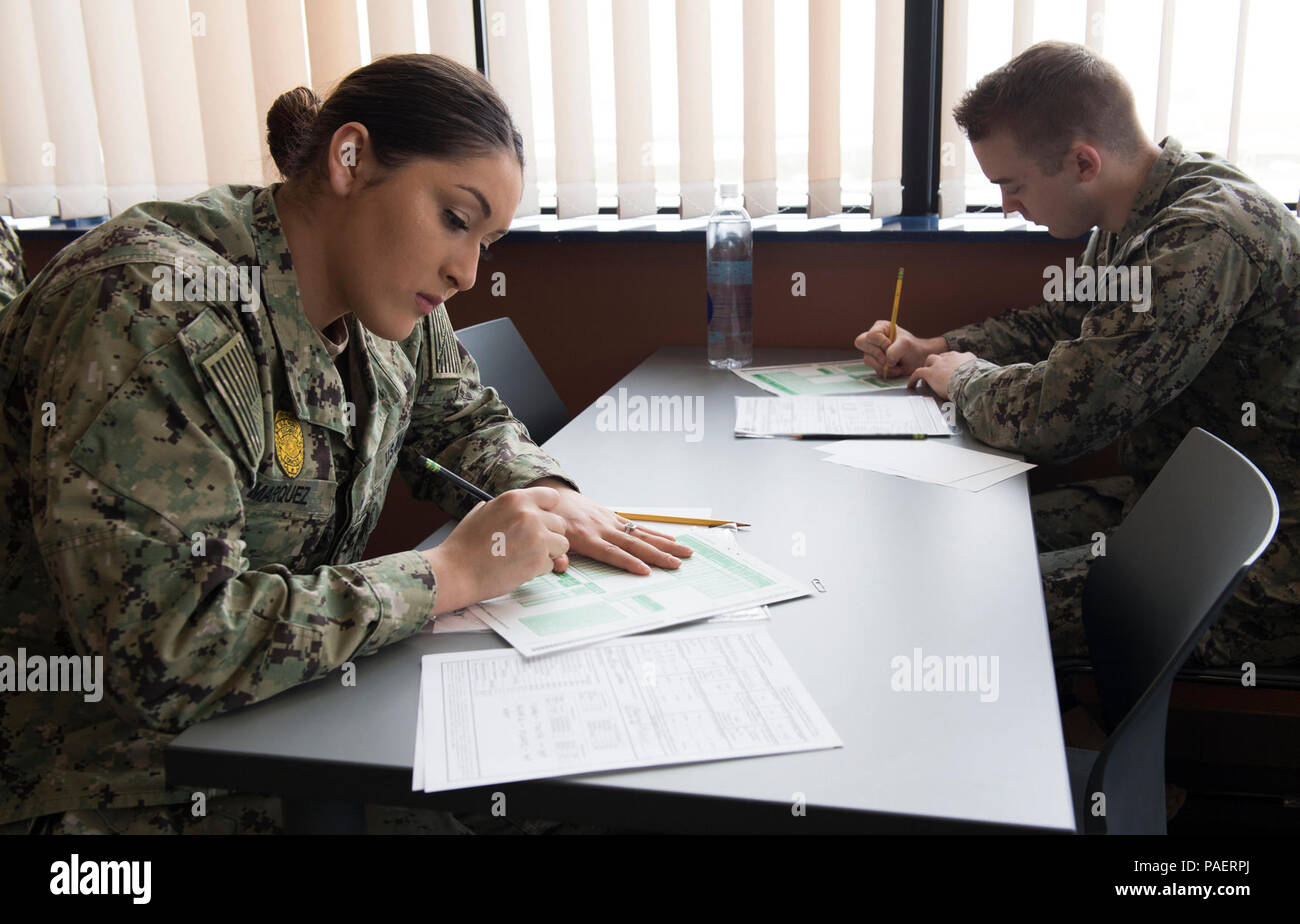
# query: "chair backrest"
506, 363
1168, 570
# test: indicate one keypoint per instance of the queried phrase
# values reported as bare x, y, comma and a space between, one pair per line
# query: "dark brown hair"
1049, 96
412, 106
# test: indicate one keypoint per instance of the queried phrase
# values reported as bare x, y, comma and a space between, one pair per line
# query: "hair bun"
288, 126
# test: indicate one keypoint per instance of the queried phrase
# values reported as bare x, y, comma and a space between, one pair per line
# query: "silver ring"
629, 527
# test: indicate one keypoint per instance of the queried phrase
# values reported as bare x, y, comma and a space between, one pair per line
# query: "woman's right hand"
904, 355
498, 546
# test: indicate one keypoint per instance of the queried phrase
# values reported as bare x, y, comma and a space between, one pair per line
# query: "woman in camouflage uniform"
204, 403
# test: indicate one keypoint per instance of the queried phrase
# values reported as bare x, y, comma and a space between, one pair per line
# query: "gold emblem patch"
288, 443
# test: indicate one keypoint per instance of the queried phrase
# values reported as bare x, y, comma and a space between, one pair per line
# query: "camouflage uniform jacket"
187, 494
1219, 347
12, 274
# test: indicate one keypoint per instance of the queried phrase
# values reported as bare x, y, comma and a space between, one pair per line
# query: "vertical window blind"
1212, 73
632, 106
704, 92
112, 102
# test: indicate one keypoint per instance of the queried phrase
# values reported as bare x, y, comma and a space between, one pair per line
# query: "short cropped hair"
1049, 96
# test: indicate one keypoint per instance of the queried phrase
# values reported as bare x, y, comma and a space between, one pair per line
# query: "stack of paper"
704, 693
926, 460
594, 701
809, 415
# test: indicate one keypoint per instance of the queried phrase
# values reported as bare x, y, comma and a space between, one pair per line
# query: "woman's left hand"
599, 533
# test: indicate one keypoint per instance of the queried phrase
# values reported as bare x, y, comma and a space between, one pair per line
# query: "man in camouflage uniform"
12, 274
188, 488
1216, 346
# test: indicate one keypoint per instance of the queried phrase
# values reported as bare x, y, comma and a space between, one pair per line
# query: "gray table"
904, 565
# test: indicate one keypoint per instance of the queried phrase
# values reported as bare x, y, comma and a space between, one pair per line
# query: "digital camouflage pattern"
13, 275
186, 495
252, 813
1218, 349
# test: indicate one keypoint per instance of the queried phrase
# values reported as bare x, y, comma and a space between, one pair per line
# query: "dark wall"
592, 311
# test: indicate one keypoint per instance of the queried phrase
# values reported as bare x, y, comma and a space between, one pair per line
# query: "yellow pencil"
893, 319
659, 518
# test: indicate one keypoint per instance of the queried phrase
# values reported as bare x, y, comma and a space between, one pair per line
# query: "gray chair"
506, 363
1168, 570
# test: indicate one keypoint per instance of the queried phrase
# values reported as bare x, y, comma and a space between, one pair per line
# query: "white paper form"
841, 378
592, 601
924, 460
805, 415
708, 693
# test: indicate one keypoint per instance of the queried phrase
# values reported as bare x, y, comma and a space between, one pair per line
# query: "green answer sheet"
843, 378
592, 601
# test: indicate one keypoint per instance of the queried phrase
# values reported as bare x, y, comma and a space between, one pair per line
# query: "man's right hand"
904, 355
498, 546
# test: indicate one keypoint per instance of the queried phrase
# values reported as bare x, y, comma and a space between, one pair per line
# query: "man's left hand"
938, 370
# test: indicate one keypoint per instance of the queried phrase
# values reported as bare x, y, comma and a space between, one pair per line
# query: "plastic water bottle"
731, 283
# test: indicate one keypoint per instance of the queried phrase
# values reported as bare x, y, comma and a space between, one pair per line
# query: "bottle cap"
729, 190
